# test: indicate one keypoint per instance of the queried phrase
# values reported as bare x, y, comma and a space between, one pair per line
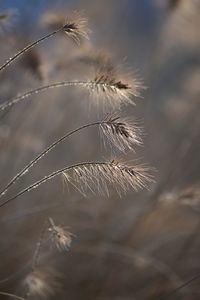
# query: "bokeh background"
137, 246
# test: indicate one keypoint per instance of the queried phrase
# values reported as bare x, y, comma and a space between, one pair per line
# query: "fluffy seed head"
107, 90
3, 16
60, 237
99, 176
7, 19
52, 19
121, 132
32, 61
40, 284
172, 4
99, 59
76, 27
190, 196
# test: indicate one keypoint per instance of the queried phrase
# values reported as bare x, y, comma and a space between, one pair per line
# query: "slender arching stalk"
12, 296
43, 153
39, 245
51, 176
93, 85
167, 295
28, 47
106, 89
40, 89
99, 175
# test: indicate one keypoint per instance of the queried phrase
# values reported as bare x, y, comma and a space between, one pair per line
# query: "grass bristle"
110, 91
122, 133
76, 27
98, 177
59, 236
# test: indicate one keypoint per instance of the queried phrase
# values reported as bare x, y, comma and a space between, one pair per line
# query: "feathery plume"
32, 61
60, 237
105, 91
7, 19
4, 16
40, 283
99, 59
52, 19
121, 132
190, 196
76, 27
98, 175
110, 92
42, 154
172, 4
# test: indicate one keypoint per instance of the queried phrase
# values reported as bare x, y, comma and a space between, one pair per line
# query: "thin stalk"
51, 176
40, 89
28, 47
12, 295
88, 84
42, 154
165, 296
39, 245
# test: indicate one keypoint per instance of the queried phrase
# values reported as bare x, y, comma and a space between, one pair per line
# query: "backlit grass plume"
75, 24
105, 91
111, 90
7, 19
40, 284
172, 4
97, 176
75, 28
120, 133
59, 236
123, 133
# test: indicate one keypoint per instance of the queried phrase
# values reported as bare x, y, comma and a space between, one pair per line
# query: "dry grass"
131, 236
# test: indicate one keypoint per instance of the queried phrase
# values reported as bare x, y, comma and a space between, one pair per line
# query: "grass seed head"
40, 284
76, 27
173, 4
60, 237
98, 177
7, 19
110, 91
121, 132
99, 59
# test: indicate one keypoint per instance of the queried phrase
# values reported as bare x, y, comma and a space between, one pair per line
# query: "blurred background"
137, 246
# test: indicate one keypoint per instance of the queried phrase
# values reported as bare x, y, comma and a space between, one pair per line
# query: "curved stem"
39, 245
28, 47
43, 153
89, 84
40, 89
11, 295
167, 295
51, 176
